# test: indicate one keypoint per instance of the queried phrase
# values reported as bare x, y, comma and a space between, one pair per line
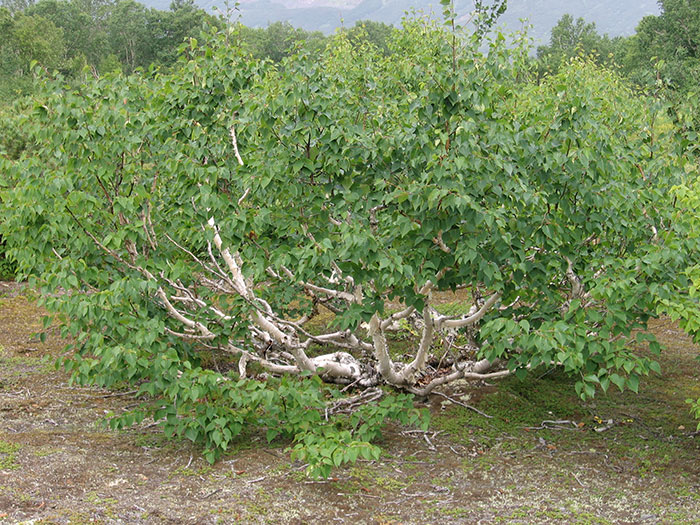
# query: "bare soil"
59, 465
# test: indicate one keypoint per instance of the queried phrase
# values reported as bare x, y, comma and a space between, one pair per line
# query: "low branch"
403, 314
438, 240
418, 364
381, 352
331, 293
234, 143
461, 373
446, 322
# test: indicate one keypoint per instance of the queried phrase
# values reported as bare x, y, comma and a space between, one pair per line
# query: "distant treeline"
665, 49
77, 37
95, 37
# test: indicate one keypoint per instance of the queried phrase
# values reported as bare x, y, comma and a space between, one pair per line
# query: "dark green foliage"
8, 267
672, 42
213, 413
278, 40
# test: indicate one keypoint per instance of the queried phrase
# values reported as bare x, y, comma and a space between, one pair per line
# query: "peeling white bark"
381, 352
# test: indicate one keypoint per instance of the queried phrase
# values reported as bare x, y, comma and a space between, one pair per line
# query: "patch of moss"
514, 406
454, 512
43, 452
390, 484
8, 455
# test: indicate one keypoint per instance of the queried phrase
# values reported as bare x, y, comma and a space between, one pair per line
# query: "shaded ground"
58, 466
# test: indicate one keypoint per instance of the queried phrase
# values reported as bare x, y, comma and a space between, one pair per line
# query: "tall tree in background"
86, 42
170, 28
27, 38
570, 38
128, 35
376, 33
278, 40
140, 37
672, 42
16, 6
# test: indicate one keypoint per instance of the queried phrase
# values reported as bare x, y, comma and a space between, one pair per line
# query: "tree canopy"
67, 35
672, 38
570, 38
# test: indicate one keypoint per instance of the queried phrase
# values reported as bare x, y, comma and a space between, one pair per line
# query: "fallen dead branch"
559, 424
460, 403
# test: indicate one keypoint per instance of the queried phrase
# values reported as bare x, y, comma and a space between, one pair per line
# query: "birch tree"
235, 236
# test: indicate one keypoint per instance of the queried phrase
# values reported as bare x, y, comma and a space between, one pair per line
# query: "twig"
350, 385
555, 425
255, 480
359, 494
349, 404
425, 436
117, 394
609, 424
211, 494
463, 404
578, 480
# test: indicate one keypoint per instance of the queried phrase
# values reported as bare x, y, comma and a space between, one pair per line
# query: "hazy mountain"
618, 17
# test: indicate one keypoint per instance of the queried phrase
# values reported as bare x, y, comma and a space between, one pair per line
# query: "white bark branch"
438, 240
238, 280
462, 373
445, 322
381, 352
331, 293
403, 314
234, 143
418, 364
272, 367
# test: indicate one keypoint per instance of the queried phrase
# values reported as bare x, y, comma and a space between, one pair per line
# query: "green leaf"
618, 380
192, 434
633, 383
271, 434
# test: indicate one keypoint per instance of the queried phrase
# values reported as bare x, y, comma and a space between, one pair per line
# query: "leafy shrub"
8, 267
215, 209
